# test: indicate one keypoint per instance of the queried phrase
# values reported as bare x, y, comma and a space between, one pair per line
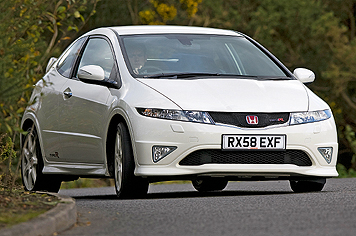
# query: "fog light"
159, 152
327, 153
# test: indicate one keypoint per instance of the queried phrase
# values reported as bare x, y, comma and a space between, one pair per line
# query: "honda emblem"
252, 120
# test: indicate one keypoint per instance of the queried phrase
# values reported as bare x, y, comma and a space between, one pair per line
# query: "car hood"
238, 95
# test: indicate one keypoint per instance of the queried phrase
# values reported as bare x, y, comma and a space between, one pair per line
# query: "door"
84, 110
50, 95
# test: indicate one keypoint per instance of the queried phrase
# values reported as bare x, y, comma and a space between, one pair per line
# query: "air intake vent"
200, 157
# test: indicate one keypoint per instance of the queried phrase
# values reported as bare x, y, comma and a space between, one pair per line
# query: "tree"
164, 11
32, 30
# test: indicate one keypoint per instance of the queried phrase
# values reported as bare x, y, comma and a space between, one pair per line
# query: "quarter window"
66, 61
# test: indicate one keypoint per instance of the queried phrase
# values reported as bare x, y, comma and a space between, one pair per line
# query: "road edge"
58, 219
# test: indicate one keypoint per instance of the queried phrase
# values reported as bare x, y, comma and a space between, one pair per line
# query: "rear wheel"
300, 186
32, 164
127, 185
209, 184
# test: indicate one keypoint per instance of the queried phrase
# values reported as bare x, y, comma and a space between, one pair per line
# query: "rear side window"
67, 59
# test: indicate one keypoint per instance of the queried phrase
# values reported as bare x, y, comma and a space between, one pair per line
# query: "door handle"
68, 94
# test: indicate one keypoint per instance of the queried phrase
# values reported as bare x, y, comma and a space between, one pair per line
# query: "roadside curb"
60, 218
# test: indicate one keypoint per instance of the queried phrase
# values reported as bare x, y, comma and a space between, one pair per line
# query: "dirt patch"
19, 206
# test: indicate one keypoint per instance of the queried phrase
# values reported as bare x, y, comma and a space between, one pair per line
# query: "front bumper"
189, 137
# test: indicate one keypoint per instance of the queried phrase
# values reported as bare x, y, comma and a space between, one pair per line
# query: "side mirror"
51, 61
91, 72
304, 75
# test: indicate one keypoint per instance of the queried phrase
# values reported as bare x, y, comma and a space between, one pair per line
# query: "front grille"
239, 119
212, 156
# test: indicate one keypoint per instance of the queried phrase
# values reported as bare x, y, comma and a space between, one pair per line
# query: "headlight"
309, 117
192, 116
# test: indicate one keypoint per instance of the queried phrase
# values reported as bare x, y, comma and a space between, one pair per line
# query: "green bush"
344, 172
8, 175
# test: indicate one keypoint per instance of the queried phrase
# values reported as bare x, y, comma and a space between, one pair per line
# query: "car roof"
161, 29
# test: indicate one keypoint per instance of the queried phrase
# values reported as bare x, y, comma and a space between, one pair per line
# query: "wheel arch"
27, 123
110, 141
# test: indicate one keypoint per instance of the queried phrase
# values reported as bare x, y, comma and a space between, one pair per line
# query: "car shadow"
186, 194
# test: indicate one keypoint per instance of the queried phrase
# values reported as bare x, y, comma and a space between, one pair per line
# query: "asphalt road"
243, 208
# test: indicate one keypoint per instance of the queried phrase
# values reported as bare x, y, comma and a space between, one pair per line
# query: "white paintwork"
77, 127
226, 95
91, 72
51, 61
304, 75
154, 29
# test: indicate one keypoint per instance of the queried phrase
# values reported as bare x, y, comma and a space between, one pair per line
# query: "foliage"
87, 183
344, 172
7, 156
133, 12
191, 6
163, 11
32, 30
20, 206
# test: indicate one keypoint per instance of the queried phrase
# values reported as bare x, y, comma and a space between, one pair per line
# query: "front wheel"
300, 186
209, 184
32, 164
127, 185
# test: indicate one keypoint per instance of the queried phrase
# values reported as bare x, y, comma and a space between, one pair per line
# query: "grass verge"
19, 206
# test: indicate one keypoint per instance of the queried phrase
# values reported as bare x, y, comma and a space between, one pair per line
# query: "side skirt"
78, 169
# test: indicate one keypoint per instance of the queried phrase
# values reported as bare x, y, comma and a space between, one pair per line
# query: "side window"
98, 52
66, 61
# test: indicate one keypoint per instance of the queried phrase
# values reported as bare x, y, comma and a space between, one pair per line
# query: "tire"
32, 164
127, 185
300, 186
209, 184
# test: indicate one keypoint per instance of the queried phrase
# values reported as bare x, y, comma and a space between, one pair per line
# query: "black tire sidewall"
126, 161
209, 184
306, 186
131, 185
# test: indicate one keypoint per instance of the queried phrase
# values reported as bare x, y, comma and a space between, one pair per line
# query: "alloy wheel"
118, 162
29, 161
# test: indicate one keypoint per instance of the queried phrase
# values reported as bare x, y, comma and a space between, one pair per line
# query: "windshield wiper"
180, 75
277, 78
183, 75
258, 77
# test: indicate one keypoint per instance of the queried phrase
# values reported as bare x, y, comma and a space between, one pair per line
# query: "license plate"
253, 142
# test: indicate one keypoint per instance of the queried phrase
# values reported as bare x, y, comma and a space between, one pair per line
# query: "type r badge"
54, 154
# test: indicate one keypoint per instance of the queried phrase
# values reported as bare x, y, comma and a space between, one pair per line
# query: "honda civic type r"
142, 104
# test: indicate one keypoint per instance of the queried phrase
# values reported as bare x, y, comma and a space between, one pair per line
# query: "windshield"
179, 55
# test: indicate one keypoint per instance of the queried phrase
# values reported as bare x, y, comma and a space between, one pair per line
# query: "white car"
142, 104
